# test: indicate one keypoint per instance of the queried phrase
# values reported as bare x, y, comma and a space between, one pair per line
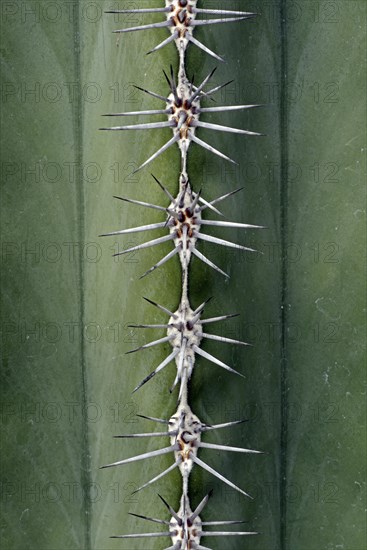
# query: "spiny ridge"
185, 328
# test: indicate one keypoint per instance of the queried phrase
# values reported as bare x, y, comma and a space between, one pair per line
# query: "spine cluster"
185, 225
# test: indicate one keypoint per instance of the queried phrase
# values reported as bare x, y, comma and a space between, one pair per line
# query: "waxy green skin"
323, 201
